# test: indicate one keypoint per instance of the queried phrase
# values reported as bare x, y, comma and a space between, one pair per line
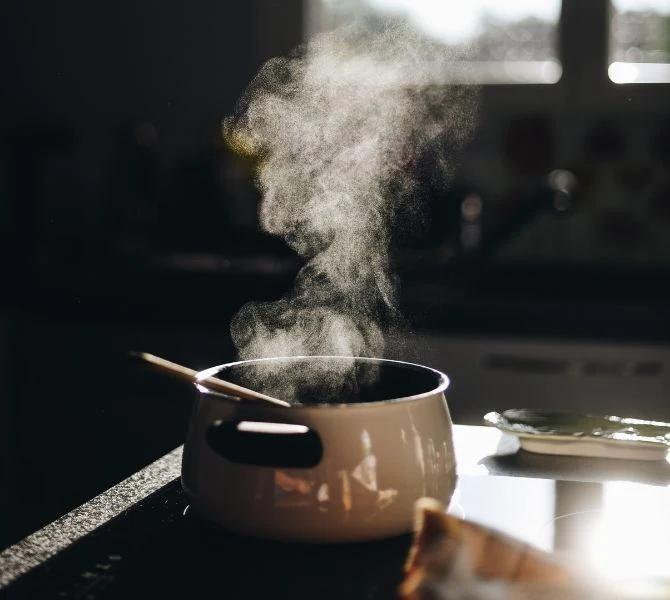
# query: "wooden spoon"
212, 383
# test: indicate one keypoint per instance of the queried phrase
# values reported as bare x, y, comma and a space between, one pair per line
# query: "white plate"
584, 435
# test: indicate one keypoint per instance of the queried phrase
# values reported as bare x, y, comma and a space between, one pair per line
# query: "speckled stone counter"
51, 539
480, 451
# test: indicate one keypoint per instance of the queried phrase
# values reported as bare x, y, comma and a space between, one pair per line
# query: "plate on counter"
575, 434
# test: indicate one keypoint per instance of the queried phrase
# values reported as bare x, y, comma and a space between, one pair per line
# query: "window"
640, 41
519, 36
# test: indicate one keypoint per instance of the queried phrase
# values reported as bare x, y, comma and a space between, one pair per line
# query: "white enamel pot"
346, 470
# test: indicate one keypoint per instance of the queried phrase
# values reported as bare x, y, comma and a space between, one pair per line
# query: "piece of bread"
460, 552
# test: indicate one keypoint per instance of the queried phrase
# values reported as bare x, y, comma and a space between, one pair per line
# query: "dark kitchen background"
126, 223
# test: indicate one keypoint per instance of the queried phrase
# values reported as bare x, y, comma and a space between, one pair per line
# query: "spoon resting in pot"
212, 383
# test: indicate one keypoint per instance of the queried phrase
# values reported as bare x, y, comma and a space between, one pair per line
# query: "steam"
339, 127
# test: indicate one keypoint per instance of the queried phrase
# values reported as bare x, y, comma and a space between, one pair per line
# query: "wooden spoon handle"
212, 383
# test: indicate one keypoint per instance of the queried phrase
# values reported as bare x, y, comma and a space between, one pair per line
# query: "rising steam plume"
338, 127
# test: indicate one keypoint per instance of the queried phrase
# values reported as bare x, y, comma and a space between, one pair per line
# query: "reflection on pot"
366, 474
287, 483
347, 500
366, 471
338, 493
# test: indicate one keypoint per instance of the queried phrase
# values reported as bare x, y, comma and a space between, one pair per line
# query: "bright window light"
640, 41
632, 540
621, 72
503, 42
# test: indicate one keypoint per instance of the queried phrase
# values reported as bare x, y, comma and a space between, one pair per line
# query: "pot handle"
267, 444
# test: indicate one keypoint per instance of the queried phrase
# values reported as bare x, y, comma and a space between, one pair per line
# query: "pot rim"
443, 382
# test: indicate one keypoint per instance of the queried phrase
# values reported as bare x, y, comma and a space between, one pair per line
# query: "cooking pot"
341, 464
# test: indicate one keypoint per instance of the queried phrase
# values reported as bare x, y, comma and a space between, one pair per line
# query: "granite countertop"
56, 536
480, 450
